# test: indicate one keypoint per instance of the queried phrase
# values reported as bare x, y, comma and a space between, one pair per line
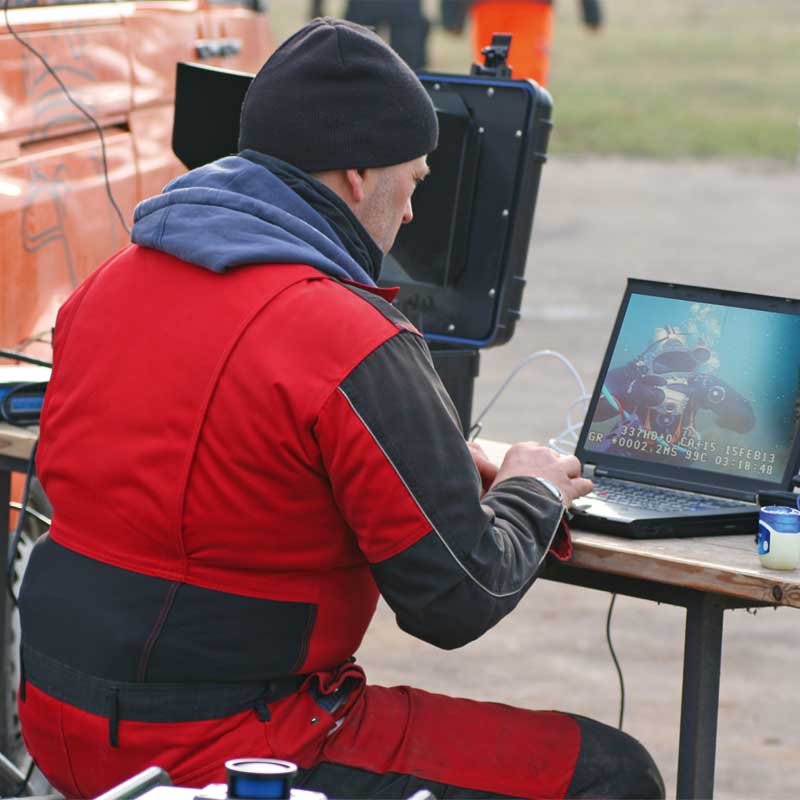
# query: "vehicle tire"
33, 528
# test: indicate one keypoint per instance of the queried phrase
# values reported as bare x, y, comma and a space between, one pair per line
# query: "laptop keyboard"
656, 498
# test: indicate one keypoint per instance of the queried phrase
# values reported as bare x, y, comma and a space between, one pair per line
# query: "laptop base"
670, 527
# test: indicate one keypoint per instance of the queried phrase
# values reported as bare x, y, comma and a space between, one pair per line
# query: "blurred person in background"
405, 21
530, 22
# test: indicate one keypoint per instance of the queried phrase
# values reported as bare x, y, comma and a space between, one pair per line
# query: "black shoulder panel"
481, 553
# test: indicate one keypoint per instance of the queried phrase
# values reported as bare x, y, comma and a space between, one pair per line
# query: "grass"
685, 78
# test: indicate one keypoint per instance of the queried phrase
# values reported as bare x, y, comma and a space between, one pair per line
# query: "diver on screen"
660, 392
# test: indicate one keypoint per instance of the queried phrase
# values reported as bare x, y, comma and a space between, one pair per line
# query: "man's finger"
571, 465
477, 450
581, 486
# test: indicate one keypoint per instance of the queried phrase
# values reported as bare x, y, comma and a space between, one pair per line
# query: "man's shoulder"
334, 302
377, 300
323, 327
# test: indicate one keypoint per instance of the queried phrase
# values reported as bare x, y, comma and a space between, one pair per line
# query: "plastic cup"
779, 537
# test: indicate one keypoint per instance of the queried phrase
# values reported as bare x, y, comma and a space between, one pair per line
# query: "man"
244, 443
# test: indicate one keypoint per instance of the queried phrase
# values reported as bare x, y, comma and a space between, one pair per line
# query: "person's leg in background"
531, 24
366, 12
409, 32
408, 25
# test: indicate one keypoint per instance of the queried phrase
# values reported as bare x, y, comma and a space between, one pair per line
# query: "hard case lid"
460, 263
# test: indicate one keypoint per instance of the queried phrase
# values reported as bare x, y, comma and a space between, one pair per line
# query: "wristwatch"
553, 489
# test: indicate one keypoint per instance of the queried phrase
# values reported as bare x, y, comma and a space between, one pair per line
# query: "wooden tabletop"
16, 441
724, 564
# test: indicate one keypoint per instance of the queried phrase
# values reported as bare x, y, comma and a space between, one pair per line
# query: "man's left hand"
486, 469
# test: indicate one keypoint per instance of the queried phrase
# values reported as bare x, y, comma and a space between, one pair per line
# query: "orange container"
530, 22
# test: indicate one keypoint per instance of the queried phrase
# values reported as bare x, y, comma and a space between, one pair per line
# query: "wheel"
36, 524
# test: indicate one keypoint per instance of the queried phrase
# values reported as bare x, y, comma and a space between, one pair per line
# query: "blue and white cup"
779, 537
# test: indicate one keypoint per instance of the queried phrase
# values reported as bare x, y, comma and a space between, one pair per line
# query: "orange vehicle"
117, 59
57, 221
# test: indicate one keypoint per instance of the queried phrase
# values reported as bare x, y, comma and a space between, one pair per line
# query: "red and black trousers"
350, 740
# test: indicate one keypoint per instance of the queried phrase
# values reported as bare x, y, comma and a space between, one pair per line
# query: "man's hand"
486, 469
535, 461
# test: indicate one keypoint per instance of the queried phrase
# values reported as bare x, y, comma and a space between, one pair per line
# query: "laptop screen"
698, 384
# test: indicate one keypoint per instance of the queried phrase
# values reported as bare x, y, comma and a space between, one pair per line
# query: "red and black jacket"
230, 495
239, 463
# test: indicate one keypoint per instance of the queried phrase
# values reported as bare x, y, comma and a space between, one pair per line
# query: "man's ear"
355, 183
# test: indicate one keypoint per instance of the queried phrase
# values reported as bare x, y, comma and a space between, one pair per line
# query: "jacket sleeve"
449, 563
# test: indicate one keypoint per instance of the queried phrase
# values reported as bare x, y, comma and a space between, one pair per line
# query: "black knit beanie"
336, 96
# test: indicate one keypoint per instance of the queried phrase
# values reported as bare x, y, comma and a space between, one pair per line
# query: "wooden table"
15, 448
705, 575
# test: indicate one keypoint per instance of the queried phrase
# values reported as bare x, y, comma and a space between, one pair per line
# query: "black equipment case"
460, 263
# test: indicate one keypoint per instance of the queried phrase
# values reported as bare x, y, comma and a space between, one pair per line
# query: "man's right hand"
535, 461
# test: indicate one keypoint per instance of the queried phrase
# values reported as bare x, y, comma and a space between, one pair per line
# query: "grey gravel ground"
735, 225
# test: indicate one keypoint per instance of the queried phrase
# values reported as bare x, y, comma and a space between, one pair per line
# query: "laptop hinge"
592, 471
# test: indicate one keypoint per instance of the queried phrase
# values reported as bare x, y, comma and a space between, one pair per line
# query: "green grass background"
663, 78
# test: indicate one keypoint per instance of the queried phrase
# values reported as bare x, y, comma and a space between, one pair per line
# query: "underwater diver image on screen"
701, 385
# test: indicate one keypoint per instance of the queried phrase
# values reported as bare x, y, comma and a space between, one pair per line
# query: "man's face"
387, 199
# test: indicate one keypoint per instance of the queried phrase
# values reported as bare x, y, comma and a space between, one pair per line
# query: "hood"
234, 212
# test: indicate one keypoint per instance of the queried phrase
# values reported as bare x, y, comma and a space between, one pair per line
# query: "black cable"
86, 113
616, 662
24, 785
13, 355
15, 540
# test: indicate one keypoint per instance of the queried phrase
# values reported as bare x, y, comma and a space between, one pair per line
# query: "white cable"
560, 441
565, 441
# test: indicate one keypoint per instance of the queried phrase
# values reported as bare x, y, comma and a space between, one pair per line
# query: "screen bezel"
665, 474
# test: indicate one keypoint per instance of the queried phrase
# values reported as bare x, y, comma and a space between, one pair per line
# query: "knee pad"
612, 764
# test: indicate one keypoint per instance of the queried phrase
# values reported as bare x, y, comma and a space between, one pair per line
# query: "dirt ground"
734, 225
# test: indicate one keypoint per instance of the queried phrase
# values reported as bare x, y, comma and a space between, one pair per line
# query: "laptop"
696, 410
